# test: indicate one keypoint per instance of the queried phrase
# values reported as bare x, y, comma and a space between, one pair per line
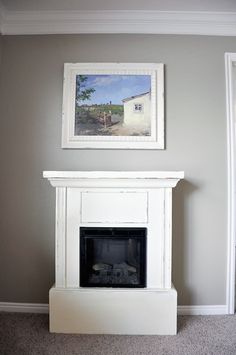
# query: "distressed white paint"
149, 206
97, 199
119, 21
73, 247
114, 207
60, 231
169, 178
155, 235
167, 238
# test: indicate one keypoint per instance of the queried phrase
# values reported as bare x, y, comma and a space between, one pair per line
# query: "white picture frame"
90, 119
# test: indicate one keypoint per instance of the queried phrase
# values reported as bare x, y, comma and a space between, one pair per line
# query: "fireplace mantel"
114, 174
102, 178
113, 199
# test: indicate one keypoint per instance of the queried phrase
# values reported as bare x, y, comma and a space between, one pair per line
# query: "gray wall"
31, 99
172, 5
0, 48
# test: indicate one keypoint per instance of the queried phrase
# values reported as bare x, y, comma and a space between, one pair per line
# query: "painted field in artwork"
113, 105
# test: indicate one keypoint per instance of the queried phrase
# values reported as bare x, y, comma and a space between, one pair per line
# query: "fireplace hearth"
112, 257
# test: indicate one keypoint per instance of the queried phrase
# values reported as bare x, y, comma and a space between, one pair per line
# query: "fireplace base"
113, 311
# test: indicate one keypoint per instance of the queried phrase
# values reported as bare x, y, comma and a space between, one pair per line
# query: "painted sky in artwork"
115, 88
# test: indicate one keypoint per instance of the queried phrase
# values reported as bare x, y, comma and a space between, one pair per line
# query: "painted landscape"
112, 105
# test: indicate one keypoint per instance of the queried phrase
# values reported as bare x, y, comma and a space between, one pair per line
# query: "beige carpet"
27, 334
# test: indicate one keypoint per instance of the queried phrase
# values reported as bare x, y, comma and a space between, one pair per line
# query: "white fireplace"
126, 211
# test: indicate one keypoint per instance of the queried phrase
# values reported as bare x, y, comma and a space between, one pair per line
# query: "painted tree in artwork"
82, 91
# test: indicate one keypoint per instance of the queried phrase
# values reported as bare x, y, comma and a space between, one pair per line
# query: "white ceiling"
90, 5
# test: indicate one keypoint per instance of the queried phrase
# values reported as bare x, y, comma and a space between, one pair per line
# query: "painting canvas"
113, 105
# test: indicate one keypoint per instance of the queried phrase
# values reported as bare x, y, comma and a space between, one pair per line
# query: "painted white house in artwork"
137, 110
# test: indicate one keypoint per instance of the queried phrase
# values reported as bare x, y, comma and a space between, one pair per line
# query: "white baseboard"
202, 310
43, 308
23, 307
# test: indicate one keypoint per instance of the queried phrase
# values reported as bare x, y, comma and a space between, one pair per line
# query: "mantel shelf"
113, 174
109, 179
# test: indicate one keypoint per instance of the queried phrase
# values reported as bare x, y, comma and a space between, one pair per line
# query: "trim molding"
44, 308
202, 310
145, 22
23, 307
230, 59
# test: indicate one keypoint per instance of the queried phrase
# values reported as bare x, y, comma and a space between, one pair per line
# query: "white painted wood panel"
114, 207
60, 242
155, 239
113, 312
54, 175
167, 239
72, 228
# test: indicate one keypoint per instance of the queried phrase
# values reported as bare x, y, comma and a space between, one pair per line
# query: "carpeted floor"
27, 334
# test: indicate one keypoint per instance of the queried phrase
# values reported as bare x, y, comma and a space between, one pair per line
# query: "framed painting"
113, 106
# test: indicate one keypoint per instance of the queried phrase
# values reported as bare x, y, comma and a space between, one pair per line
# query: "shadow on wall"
181, 240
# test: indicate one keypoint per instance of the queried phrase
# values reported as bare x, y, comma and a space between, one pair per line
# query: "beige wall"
30, 111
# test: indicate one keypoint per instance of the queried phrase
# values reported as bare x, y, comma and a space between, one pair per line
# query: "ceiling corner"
118, 21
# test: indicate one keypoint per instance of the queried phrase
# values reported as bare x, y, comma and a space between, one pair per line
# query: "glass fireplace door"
113, 257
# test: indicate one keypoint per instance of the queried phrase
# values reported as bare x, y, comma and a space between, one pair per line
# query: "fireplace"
113, 252
112, 257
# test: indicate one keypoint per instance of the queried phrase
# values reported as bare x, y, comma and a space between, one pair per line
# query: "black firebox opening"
113, 257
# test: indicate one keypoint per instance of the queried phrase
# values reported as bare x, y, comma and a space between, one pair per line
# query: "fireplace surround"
113, 252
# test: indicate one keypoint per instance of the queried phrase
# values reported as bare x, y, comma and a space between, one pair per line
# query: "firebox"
112, 257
